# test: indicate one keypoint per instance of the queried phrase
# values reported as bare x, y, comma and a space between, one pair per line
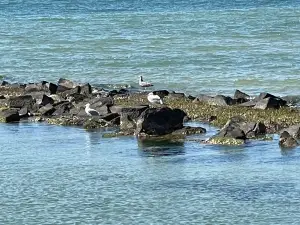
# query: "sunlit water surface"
67, 175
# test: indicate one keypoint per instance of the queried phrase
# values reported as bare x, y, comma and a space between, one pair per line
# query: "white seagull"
143, 83
154, 99
91, 112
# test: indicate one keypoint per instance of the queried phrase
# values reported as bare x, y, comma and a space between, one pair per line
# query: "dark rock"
9, 115
161, 93
231, 129
252, 129
294, 131
187, 130
110, 116
24, 112
86, 89
62, 108
248, 104
176, 95
218, 100
36, 87
98, 102
3, 103
68, 84
4, 83
134, 111
241, 95
46, 110
287, 141
46, 100
94, 123
70, 92
116, 121
2, 97
190, 97
52, 88
269, 103
160, 121
21, 101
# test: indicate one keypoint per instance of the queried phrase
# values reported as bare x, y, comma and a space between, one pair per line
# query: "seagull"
143, 83
154, 99
91, 112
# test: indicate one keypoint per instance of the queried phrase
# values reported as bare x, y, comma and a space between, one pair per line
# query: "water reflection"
155, 148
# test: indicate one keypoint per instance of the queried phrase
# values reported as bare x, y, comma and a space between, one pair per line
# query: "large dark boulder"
160, 121
21, 101
101, 101
253, 129
70, 92
9, 115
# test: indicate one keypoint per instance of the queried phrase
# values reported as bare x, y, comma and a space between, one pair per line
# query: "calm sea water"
81, 178
184, 45
66, 175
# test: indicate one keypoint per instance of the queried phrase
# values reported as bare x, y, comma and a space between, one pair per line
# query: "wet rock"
66, 120
161, 93
128, 115
293, 130
94, 123
230, 130
9, 115
287, 141
68, 84
253, 129
4, 83
160, 121
187, 130
24, 112
21, 101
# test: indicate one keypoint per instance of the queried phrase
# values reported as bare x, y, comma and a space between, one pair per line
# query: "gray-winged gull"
154, 99
91, 112
143, 83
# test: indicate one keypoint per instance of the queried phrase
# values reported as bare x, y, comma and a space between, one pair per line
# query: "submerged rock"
287, 141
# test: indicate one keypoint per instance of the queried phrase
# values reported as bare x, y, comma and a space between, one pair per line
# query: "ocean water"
183, 45
82, 178
67, 175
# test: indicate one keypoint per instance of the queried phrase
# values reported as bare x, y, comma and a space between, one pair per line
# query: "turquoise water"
81, 178
191, 46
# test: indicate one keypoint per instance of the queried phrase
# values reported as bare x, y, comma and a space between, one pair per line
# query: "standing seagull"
143, 83
154, 99
89, 111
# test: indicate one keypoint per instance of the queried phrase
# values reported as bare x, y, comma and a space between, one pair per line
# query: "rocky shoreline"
240, 117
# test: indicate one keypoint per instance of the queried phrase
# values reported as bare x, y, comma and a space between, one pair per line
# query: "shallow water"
66, 175
191, 46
